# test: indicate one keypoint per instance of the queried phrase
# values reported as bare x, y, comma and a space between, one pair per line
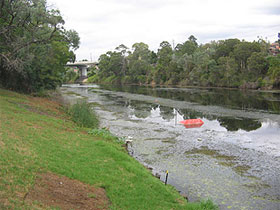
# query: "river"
233, 158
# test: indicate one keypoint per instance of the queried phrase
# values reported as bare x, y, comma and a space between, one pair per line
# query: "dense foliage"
224, 63
34, 46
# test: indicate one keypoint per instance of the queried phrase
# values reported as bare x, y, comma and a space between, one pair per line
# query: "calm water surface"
232, 159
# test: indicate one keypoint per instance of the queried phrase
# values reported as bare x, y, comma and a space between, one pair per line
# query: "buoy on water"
192, 123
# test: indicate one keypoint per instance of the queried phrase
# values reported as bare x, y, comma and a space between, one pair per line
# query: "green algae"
204, 150
241, 169
223, 160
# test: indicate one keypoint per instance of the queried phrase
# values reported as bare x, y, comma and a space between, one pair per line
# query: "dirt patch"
59, 191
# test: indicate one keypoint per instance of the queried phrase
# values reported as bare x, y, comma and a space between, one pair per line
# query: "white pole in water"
175, 116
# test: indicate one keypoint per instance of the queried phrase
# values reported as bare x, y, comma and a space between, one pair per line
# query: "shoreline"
182, 86
37, 137
118, 126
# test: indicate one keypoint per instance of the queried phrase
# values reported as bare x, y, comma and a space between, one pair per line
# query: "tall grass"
83, 114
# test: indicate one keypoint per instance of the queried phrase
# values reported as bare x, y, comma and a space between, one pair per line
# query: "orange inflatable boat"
192, 123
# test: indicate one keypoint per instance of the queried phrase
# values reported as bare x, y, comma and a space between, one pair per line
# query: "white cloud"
104, 24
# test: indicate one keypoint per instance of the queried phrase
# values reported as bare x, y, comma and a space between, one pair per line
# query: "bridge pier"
83, 71
83, 67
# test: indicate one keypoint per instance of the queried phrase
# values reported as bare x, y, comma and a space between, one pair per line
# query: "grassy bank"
37, 137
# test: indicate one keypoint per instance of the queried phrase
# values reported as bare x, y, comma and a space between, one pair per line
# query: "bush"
70, 76
141, 79
93, 79
83, 115
91, 71
110, 80
126, 80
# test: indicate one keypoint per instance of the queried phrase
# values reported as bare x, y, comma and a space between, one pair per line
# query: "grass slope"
36, 136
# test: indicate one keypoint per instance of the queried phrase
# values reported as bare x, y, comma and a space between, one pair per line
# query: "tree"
30, 31
226, 63
140, 51
243, 51
228, 72
164, 53
225, 48
72, 38
164, 56
257, 64
123, 50
187, 47
153, 58
274, 70
103, 64
139, 62
124, 53
193, 40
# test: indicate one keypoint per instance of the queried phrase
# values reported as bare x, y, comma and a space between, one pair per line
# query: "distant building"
274, 48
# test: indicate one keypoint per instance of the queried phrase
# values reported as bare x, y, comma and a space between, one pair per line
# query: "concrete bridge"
82, 66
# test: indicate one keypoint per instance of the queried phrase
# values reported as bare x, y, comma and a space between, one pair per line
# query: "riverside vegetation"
34, 46
38, 137
225, 63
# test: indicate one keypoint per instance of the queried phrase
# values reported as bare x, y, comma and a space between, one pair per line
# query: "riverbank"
237, 146
43, 151
153, 85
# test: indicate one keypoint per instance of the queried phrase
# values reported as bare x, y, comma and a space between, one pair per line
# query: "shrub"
126, 80
92, 79
70, 76
141, 79
83, 115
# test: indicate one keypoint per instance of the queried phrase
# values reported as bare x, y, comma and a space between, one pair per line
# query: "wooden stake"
166, 177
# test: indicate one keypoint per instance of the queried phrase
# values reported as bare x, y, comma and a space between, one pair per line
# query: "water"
232, 159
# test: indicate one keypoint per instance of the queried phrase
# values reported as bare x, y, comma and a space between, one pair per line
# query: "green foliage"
139, 62
91, 71
112, 80
187, 47
82, 114
34, 46
164, 53
274, 70
93, 79
127, 80
110, 64
257, 65
243, 51
153, 57
225, 48
225, 63
70, 76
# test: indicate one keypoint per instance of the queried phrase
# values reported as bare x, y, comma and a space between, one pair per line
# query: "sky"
105, 24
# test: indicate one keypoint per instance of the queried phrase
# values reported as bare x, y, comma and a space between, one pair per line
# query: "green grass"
36, 137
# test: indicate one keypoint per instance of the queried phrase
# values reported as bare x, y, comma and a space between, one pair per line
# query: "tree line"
225, 63
34, 45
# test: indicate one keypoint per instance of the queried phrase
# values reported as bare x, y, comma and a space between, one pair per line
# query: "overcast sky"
105, 24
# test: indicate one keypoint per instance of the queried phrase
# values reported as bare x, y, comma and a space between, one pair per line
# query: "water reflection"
234, 99
234, 124
168, 114
233, 158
